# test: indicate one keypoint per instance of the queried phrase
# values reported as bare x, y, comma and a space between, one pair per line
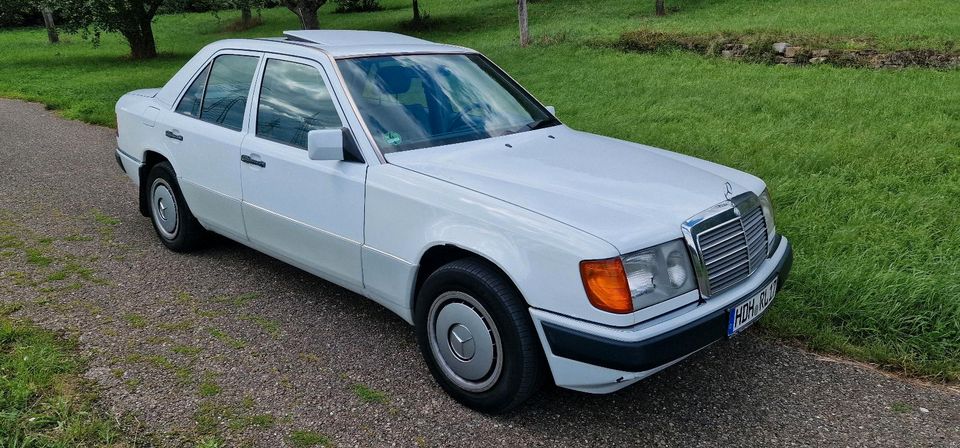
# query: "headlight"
767, 205
639, 279
659, 273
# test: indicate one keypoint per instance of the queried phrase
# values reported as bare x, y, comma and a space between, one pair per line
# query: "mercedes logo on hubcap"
461, 342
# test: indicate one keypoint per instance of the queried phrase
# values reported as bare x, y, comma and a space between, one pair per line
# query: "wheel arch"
439, 254
150, 159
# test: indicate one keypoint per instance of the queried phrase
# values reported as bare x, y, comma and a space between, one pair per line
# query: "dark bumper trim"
120, 162
654, 352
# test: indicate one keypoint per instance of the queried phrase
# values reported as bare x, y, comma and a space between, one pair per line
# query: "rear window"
190, 103
225, 97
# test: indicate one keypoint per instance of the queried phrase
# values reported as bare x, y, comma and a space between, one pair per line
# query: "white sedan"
423, 177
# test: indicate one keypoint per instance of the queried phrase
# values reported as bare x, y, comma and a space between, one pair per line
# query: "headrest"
395, 79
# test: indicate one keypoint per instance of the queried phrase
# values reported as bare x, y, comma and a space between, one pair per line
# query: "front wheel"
474, 331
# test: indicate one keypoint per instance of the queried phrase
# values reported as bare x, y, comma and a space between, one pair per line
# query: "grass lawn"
43, 402
864, 165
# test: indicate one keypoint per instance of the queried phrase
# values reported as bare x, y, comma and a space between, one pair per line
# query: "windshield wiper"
545, 123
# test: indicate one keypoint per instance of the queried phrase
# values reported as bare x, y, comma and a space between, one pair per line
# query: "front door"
308, 212
205, 132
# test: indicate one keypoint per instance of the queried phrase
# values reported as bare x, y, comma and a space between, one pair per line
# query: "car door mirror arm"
351, 151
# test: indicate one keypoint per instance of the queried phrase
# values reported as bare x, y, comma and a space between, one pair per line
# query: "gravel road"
231, 342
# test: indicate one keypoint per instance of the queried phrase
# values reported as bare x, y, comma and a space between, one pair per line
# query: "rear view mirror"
552, 110
325, 144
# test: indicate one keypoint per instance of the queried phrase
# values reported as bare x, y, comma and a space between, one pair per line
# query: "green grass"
304, 439
900, 408
210, 442
269, 326
230, 341
862, 164
891, 24
43, 400
135, 320
208, 388
106, 220
369, 395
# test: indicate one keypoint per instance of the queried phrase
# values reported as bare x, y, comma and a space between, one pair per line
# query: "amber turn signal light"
606, 284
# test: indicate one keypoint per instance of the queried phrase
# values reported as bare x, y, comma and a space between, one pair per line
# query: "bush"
18, 13
345, 6
183, 6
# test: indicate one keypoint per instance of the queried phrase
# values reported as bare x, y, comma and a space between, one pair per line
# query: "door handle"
174, 135
247, 159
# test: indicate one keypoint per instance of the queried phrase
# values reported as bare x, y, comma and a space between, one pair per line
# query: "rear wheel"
474, 331
175, 224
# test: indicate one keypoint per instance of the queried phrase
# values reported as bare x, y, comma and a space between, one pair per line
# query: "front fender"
407, 213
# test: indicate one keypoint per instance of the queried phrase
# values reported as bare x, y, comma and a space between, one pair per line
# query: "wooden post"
51, 27
524, 30
661, 8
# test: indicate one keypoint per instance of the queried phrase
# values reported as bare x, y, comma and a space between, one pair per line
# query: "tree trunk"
142, 43
661, 8
139, 30
416, 12
51, 27
246, 16
149, 49
308, 16
524, 31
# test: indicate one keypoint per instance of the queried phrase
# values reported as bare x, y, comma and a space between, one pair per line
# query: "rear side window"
294, 100
190, 103
225, 97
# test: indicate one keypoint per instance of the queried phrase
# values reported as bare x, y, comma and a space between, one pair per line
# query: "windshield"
418, 101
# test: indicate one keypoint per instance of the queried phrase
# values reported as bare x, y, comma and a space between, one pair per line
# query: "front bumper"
600, 359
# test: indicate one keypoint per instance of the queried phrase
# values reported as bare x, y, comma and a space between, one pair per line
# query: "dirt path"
231, 342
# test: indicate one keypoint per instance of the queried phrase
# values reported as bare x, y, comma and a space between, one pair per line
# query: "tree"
246, 9
52, 34
661, 8
131, 18
306, 10
524, 30
16, 13
417, 17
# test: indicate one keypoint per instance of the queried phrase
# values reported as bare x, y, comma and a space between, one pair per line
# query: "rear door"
205, 132
308, 212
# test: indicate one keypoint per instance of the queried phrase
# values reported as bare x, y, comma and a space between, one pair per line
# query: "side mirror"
552, 110
325, 144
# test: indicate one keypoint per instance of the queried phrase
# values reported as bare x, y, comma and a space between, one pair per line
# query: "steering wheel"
461, 115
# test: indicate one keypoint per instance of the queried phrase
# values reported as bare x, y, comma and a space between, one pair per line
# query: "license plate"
743, 315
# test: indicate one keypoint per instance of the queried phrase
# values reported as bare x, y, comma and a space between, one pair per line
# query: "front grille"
731, 251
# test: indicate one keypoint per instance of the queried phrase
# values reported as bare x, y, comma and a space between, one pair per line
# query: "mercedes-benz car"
423, 177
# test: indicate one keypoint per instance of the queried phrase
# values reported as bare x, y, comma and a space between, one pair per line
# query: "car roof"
346, 43
308, 44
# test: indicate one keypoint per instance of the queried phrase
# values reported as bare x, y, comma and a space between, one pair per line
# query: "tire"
463, 310
175, 225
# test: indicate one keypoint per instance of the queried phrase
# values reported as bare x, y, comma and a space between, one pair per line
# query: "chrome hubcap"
164, 208
465, 341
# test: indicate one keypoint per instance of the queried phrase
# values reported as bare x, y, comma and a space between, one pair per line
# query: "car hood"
633, 196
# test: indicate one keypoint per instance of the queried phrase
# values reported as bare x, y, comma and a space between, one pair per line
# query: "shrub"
345, 6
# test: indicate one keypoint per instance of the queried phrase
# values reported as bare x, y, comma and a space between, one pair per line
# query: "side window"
190, 103
225, 98
293, 101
